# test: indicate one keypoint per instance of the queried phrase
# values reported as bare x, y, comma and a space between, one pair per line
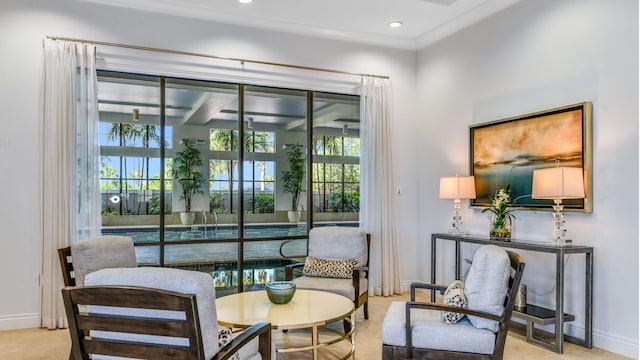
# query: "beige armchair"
337, 262
476, 328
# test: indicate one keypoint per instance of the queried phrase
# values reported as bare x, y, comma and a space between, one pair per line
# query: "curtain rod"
188, 53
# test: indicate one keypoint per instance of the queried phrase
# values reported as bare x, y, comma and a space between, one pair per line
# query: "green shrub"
351, 201
262, 203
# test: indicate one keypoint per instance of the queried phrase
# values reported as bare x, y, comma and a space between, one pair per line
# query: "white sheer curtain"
70, 183
377, 210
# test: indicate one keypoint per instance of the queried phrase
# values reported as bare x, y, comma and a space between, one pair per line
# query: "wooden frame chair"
66, 265
504, 320
361, 297
83, 325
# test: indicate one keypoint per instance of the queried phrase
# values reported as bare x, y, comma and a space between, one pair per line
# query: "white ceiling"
362, 21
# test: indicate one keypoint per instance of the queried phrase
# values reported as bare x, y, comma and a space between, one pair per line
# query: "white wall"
536, 55
24, 25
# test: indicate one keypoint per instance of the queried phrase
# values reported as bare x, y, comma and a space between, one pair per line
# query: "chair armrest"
444, 307
262, 330
355, 278
358, 269
415, 286
288, 270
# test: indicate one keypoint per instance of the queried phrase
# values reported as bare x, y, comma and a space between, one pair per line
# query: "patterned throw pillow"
224, 336
342, 269
454, 296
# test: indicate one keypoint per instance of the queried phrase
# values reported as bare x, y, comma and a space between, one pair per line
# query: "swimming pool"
264, 244
209, 232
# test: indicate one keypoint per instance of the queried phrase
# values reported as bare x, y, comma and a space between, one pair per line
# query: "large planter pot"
187, 218
294, 216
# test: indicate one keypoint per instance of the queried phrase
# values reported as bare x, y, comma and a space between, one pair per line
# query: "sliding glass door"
224, 178
132, 138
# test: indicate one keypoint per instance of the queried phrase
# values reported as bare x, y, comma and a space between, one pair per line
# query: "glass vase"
500, 230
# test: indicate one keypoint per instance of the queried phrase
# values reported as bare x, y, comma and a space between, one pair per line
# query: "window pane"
336, 172
223, 140
352, 147
260, 142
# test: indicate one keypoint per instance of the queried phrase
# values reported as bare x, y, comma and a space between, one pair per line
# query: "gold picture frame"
505, 152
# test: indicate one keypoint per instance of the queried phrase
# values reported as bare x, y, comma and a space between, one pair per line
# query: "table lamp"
457, 188
558, 183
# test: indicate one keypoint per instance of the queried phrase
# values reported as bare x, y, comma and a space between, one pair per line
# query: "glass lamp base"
458, 232
561, 242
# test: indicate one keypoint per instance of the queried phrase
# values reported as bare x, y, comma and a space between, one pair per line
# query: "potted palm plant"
185, 171
293, 179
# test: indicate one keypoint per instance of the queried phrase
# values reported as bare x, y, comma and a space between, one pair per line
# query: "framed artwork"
505, 153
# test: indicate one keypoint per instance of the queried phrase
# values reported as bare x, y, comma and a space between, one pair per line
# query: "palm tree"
128, 134
261, 144
228, 140
324, 145
109, 174
223, 140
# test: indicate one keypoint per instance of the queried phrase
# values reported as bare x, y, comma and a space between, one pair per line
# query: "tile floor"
32, 344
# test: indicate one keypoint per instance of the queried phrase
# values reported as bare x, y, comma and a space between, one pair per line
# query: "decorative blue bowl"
280, 292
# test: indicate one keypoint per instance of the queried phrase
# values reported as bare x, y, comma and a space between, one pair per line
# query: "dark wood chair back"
64, 254
517, 267
82, 323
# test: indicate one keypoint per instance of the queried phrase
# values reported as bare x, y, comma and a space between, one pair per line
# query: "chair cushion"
487, 283
184, 281
101, 252
342, 269
454, 296
428, 331
338, 243
342, 287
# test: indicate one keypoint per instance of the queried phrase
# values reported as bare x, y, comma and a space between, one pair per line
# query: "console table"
535, 314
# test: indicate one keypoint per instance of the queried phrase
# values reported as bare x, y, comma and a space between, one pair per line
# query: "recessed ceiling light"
245, 1
395, 24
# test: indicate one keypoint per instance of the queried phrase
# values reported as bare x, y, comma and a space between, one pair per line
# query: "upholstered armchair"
337, 262
87, 256
471, 322
154, 313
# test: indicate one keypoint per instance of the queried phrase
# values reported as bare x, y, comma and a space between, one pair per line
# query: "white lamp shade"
457, 187
558, 183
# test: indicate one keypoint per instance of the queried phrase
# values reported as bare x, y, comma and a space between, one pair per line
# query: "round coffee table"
308, 309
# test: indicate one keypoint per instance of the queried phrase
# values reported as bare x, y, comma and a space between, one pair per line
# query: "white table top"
307, 308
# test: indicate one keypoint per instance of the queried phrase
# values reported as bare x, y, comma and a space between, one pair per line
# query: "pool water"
199, 232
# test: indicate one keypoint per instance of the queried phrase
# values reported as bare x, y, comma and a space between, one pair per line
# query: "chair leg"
366, 310
347, 325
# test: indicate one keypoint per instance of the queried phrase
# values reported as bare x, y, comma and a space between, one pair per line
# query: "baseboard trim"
19, 321
616, 344
406, 285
